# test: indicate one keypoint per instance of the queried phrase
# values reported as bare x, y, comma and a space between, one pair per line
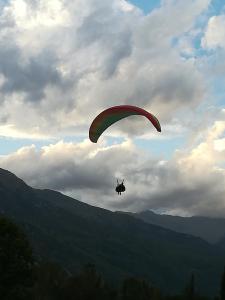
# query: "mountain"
221, 243
209, 229
73, 233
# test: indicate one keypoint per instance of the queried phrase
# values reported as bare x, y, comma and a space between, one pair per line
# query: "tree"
222, 286
136, 289
87, 285
190, 289
16, 262
49, 280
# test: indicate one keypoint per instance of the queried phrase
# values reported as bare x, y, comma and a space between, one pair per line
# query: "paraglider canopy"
113, 114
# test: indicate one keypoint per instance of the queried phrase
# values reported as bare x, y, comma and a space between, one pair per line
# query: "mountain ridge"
74, 233
208, 228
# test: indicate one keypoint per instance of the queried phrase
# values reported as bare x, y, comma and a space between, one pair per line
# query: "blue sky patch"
146, 5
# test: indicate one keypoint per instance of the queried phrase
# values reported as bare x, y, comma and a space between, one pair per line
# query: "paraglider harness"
120, 187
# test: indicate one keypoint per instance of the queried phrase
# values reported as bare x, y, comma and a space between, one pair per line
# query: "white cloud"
11, 131
65, 61
215, 33
192, 182
62, 62
126, 6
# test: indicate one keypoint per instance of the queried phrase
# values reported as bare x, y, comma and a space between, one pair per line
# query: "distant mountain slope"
73, 233
221, 243
209, 229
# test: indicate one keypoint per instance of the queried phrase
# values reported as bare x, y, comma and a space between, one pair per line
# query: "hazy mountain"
73, 233
209, 229
221, 243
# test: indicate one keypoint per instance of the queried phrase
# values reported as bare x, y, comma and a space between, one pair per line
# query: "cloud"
65, 166
31, 78
215, 33
63, 62
192, 182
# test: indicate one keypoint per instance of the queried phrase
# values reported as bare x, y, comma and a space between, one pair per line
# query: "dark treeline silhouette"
22, 277
16, 263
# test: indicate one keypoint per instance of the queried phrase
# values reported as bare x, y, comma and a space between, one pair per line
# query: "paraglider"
113, 114
120, 188
110, 116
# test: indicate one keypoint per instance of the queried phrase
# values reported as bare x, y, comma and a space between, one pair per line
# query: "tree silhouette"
136, 289
16, 262
49, 280
190, 289
222, 286
87, 285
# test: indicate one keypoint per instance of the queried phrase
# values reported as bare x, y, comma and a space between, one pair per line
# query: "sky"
63, 62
